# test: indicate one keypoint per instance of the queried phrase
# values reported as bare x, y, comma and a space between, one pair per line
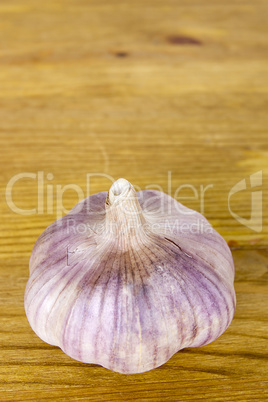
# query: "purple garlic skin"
126, 280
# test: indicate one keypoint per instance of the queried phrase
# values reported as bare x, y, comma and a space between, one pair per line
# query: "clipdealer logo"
56, 193
255, 220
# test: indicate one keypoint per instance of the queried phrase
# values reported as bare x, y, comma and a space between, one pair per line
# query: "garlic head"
126, 280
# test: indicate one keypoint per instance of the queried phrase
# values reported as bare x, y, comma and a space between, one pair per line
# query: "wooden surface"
144, 90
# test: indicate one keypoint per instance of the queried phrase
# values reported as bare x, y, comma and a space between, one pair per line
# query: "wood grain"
147, 91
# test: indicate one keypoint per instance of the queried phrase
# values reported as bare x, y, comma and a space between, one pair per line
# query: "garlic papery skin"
126, 280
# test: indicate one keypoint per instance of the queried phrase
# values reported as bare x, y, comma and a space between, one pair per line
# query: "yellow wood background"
163, 93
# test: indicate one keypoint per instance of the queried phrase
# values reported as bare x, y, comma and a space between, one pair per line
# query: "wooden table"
165, 94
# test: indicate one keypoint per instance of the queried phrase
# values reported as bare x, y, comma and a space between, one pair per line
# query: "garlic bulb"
126, 280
